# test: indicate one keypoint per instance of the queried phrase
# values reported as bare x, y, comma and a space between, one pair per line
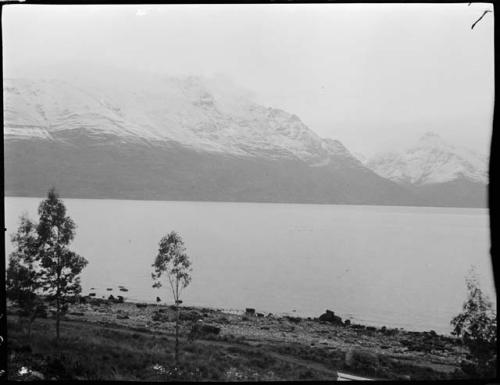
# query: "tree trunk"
31, 319
177, 335
29, 331
58, 312
58, 290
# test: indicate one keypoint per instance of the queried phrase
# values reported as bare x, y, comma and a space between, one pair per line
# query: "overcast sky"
372, 76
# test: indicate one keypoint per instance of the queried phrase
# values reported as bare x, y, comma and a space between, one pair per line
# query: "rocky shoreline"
365, 350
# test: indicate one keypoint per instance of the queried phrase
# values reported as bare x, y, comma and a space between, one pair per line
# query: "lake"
377, 265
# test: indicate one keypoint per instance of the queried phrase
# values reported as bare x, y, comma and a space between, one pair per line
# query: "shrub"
477, 327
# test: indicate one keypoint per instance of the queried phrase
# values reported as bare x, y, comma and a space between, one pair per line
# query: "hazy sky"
370, 75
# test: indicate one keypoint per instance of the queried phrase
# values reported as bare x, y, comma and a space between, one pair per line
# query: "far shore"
340, 204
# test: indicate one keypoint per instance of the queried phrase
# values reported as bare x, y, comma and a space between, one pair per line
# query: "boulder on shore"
250, 311
294, 320
191, 315
160, 317
329, 316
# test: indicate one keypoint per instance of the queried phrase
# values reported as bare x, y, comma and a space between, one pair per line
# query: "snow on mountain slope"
361, 157
431, 160
45, 108
203, 114
112, 135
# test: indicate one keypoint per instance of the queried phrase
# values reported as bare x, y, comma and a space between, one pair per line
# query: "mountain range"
438, 171
193, 138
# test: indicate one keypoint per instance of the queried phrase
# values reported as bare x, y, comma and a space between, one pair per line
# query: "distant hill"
440, 173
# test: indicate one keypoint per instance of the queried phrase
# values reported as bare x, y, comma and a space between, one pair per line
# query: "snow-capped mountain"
202, 114
134, 135
431, 160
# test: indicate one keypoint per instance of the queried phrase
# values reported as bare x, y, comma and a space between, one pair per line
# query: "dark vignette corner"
3, 320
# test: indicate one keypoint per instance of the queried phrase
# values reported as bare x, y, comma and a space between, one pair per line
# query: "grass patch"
365, 364
94, 352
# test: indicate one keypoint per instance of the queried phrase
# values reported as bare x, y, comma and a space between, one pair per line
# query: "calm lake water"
378, 265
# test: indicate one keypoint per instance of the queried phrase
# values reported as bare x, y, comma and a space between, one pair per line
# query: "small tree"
173, 262
23, 281
60, 266
477, 327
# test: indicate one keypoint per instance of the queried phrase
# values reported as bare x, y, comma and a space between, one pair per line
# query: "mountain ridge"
430, 160
190, 115
181, 139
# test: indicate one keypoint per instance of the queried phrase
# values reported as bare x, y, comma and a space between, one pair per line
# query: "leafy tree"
477, 327
23, 281
173, 262
60, 266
